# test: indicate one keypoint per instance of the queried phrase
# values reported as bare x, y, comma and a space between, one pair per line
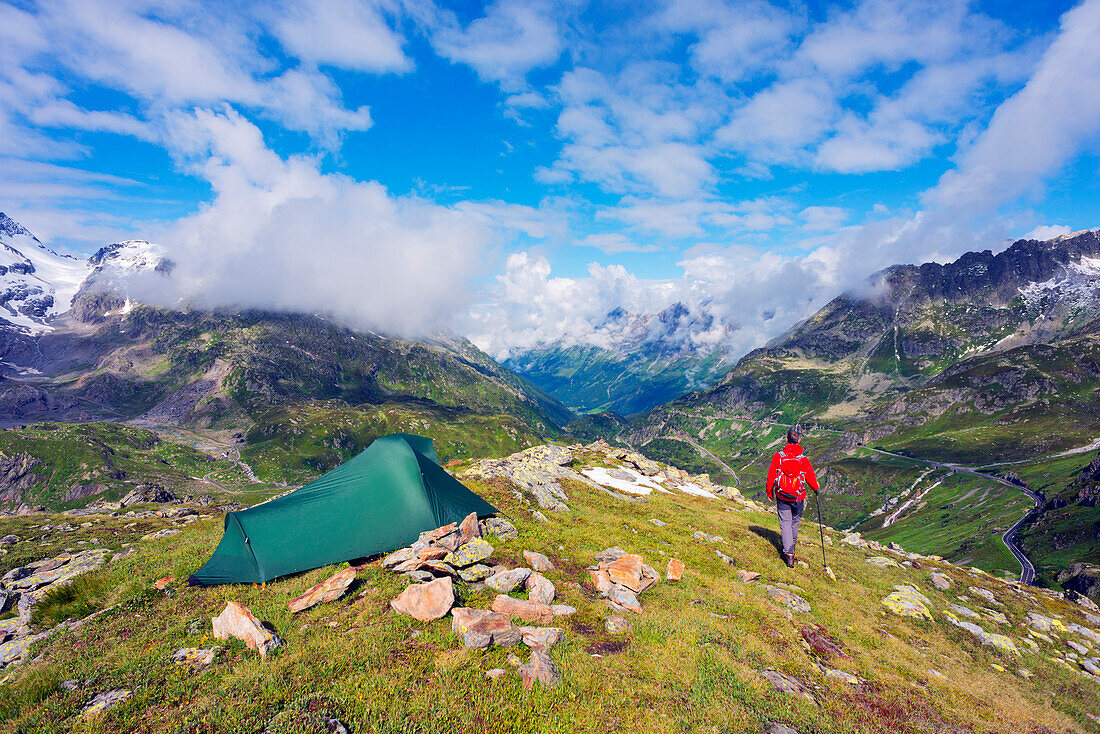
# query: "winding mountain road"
1027, 568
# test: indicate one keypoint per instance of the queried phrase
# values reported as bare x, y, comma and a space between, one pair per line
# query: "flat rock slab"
426, 602
106, 700
328, 590
506, 581
237, 621
608, 555
622, 599
992, 639
616, 625
882, 562
538, 561
528, 611
541, 638
674, 571
481, 628
475, 551
908, 602
940, 581
475, 573
791, 599
469, 529
499, 527
821, 642
195, 657
747, 577
626, 571
786, 684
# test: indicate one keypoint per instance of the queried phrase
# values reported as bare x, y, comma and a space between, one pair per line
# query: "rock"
426, 602
821, 642
940, 581
704, 538
985, 594
105, 701
1001, 642
470, 553
501, 528
616, 625
1077, 647
420, 577
538, 561
626, 571
1044, 624
657, 522
608, 555
476, 572
163, 581
195, 657
623, 599
786, 684
431, 553
434, 536
1085, 632
774, 727
908, 602
541, 669
9, 539
494, 674
237, 621
792, 600
468, 529
562, 610
14, 650
540, 589
964, 611
506, 581
747, 577
882, 562
541, 638
674, 571
842, 675
328, 590
514, 660
528, 611
438, 568
480, 628
649, 577
725, 559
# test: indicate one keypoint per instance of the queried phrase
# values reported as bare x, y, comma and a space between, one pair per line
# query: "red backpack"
788, 481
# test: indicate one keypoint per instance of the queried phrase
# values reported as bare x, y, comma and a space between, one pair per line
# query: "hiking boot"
788, 558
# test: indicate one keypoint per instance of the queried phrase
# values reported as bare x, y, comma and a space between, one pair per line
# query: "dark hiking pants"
790, 513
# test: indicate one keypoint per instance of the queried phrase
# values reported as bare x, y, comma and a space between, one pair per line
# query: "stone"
992, 639
106, 700
821, 642
562, 610
616, 625
747, 577
882, 562
501, 528
626, 571
528, 611
774, 727
469, 554
431, 553
1044, 624
623, 599
940, 581
985, 594
657, 522
705, 538
964, 611
538, 561
908, 602
480, 628
14, 650
674, 571
540, 589
426, 602
514, 660
600, 580
539, 669
792, 600
505, 581
608, 555
195, 657
438, 568
1077, 647
650, 577
1085, 632
237, 621
541, 638
468, 529
842, 675
163, 581
786, 684
494, 674
328, 590
474, 573
725, 559
419, 576
432, 536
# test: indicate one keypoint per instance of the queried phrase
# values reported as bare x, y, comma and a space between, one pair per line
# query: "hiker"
788, 477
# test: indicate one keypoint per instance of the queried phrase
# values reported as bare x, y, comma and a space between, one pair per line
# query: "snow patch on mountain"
1077, 287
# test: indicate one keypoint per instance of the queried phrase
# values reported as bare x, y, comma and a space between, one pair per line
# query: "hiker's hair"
794, 435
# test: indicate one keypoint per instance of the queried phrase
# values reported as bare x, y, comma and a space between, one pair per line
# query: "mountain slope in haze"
257, 373
631, 363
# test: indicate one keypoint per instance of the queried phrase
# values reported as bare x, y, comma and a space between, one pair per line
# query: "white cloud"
614, 243
343, 33
1047, 232
823, 217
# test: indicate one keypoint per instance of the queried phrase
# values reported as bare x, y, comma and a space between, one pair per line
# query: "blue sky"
518, 169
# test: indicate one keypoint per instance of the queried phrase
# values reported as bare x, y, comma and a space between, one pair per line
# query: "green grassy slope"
691, 663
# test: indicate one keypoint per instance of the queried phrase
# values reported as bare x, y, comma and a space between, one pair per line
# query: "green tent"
378, 501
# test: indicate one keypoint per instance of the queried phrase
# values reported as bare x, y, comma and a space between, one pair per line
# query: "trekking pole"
821, 531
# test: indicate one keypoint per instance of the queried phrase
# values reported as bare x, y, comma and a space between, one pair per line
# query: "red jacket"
793, 451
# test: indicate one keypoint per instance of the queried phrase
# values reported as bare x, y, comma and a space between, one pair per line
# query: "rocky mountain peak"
12, 228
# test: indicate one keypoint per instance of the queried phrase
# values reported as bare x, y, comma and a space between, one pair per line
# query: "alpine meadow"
549, 366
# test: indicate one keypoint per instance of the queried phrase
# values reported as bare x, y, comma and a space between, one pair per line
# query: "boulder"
328, 590
427, 601
506, 581
792, 600
106, 700
540, 589
562, 610
786, 684
237, 621
821, 642
622, 599
499, 527
747, 577
882, 562
432, 536
538, 561
528, 611
467, 555
940, 581
541, 638
908, 602
705, 538
600, 579
608, 555
675, 570
616, 625
475, 573
195, 657
541, 669
480, 628
649, 577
